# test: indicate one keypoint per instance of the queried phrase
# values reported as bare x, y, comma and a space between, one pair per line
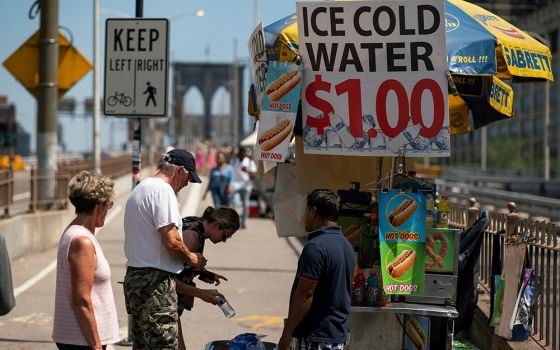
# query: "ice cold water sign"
374, 78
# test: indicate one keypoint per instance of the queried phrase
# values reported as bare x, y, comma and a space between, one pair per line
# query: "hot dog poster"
278, 110
402, 236
416, 332
374, 77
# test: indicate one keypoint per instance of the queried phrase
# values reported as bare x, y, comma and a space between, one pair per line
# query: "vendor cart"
365, 111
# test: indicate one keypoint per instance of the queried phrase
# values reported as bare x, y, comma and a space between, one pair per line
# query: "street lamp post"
96, 94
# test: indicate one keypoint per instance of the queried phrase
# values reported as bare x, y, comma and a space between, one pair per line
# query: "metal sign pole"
137, 124
136, 159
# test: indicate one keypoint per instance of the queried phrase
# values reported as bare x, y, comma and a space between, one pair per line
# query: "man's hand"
196, 260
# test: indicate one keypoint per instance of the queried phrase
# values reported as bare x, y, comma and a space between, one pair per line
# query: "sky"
192, 39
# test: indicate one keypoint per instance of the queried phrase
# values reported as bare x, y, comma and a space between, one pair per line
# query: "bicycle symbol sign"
120, 98
136, 67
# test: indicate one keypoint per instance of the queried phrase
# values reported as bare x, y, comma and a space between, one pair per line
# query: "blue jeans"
219, 199
244, 196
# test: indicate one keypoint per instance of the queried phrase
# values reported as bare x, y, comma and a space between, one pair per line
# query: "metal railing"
494, 199
543, 248
19, 190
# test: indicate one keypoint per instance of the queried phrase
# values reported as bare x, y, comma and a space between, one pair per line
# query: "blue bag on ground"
246, 341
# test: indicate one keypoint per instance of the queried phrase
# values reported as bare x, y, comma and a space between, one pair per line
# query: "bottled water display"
341, 129
333, 140
404, 138
311, 137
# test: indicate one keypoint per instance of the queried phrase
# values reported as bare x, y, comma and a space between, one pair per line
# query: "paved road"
259, 265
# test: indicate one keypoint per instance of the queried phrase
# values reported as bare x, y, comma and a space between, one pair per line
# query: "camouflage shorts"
151, 300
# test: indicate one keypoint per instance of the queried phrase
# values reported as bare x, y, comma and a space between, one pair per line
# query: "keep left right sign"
136, 67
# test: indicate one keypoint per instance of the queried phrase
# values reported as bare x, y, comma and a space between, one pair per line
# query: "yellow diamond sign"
24, 65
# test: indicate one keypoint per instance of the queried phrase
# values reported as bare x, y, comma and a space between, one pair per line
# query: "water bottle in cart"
359, 288
372, 289
443, 212
342, 130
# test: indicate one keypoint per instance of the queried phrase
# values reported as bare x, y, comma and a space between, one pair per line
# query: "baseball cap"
185, 159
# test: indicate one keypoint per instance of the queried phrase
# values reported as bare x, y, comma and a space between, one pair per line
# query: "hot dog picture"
275, 135
416, 334
281, 86
402, 263
402, 212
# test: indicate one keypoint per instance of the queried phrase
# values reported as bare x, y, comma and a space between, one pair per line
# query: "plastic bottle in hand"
342, 130
359, 288
372, 289
226, 308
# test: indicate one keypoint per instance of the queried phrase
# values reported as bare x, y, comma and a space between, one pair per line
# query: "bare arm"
301, 303
207, 295
83, 261
174, 245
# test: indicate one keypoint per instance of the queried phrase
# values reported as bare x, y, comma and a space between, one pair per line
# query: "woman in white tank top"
85, 316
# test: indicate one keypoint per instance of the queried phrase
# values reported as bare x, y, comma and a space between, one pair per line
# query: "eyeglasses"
225, 234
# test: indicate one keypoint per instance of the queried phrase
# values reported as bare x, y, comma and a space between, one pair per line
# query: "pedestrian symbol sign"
136, 67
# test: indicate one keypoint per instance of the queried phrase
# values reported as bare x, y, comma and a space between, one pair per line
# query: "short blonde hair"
86, 190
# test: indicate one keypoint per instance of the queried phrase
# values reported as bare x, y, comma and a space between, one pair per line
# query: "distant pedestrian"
320, 297
155, 251
200, 158
211, 159
151, 91
220, 182
217, 225
244, 170
85, 315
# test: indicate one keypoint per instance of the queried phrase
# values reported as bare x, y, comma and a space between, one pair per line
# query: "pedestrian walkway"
259, 265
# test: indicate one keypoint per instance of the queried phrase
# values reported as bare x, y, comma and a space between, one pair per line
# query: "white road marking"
52, 265
33, 280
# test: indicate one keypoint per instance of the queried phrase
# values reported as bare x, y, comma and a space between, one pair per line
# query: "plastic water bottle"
430, 207
443, 212
228, 311
359, 288
372, 289
342, 130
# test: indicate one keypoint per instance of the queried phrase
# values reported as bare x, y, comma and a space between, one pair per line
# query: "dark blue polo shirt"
328, 259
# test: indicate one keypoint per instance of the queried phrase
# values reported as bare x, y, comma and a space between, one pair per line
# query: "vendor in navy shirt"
320, 297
